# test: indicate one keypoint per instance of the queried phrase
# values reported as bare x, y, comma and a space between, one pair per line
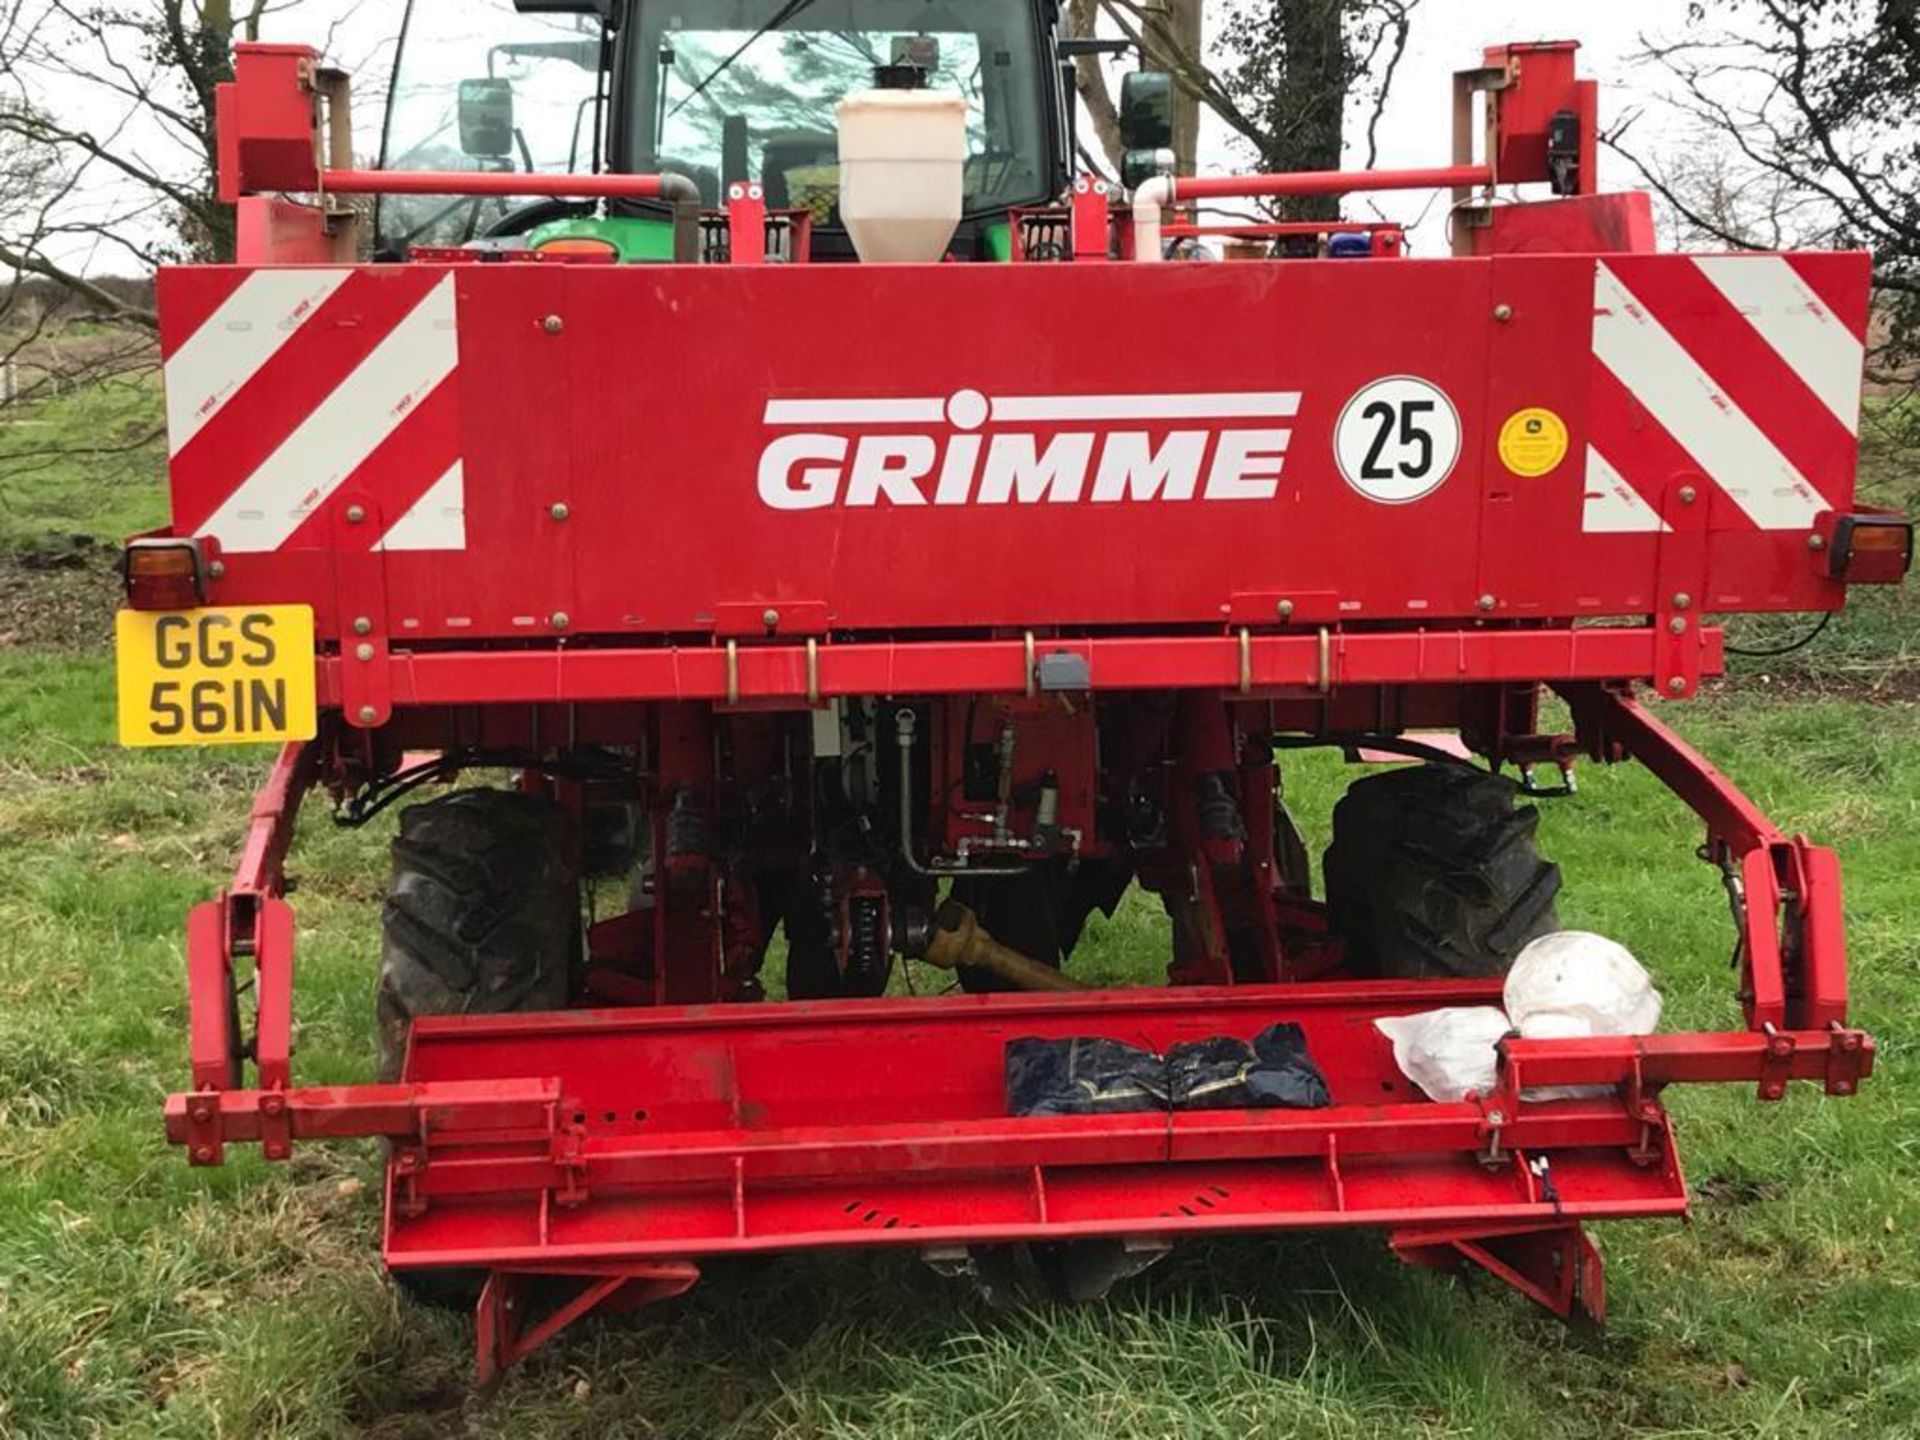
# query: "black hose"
1788, 649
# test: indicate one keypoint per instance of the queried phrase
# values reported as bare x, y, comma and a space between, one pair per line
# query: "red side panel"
643, 450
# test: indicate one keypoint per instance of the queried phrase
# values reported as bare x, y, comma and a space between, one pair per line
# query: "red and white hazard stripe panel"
1731, 368
300, 386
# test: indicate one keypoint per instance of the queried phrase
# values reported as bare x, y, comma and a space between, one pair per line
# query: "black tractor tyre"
1434, 872
482, 914
482, 918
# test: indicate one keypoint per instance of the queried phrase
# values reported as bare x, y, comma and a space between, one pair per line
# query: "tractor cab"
720, 92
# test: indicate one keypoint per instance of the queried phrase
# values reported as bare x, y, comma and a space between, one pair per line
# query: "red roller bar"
496, 182
1330, 182
1150, 199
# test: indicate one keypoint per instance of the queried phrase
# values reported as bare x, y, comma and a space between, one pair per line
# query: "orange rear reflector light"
1870, 549
164, 574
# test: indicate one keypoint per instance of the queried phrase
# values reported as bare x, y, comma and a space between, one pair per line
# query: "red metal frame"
1253, 663
1305, 183
513, 183
590, 1158
640, 1138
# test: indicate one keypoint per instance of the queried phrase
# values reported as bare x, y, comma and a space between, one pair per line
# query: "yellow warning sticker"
1533, 441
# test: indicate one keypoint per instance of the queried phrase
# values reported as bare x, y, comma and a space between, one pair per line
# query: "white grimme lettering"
811, 471
1017, 469
1131, 469
787, 483
888, 465
956, 474
1246, 464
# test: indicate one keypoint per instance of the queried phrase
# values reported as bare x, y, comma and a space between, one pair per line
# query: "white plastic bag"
1449, 1052
1573, 984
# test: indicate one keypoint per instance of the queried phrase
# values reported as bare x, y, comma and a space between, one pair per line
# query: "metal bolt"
1677, 685
770, 618
558, 510
559, 621
203, 1153
1285, 607
1688, 495
1503, 312
355, 514
1816, 542
1485, 602
1496, 1117
1682, 600
368, 714
1677, 625
362, 625
202, 1114
273, 1104
553, 324
363, 652
217, 568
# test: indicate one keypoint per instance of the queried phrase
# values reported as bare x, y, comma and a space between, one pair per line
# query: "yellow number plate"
216, 676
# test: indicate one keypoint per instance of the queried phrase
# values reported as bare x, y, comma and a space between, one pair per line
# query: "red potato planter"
920, 609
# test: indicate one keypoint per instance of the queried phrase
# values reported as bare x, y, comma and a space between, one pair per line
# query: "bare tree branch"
1806, 117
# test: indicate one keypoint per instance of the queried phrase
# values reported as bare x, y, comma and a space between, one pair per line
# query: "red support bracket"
249, 922
746, 223
506, 1330
1555, 1266
1786, 892
1849, 1059
1092, 227
1776, 1062
1680, 583
360, 591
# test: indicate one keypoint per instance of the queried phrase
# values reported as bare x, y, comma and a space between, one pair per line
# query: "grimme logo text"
970, 449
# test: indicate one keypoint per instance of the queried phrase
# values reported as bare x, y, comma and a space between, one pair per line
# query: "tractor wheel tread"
482, 917
1434, 872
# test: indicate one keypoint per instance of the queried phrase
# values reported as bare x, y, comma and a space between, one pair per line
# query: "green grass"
138, 1297
1874, 644
82, 464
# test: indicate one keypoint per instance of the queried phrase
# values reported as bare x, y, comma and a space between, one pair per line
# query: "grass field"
138, 1297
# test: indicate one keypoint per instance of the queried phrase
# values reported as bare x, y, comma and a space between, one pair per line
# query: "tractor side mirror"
1146, 110
1146, 126
485, 110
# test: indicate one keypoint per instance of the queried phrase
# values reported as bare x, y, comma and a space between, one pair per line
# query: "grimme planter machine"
919, 609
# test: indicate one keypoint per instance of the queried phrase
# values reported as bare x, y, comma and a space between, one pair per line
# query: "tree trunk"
1091, 85
1308, 102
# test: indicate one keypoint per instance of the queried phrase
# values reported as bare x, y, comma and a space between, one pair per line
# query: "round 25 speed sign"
1398, 439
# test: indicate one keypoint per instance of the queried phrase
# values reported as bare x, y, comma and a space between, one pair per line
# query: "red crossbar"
1332, 182
512, 183
793, 672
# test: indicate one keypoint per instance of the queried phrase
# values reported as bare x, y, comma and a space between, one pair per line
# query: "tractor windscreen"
478, 86
726, 90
